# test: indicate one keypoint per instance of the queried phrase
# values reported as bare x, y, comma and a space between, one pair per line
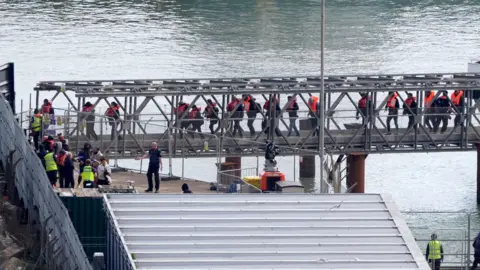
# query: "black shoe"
148, 190
156, 190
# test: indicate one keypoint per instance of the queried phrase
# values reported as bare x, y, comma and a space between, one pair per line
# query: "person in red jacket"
196, 119
235, 107
113, 114
211, 113
181, 116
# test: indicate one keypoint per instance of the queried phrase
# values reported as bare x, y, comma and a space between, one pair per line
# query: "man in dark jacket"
236, 115
251, 108
410, 108
272, 112
292, 116
196, 119
476, 246
442, 107
211, 113
434, 253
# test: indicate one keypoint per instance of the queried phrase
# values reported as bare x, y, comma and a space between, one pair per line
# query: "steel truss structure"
341, 96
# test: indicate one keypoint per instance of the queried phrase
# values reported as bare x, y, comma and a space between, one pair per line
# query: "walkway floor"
122, 178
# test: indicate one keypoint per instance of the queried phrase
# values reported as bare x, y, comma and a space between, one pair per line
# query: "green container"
88, 218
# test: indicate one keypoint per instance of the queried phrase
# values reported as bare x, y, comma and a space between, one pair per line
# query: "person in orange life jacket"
364, 107
410, 107
313, 113
292, 116
61, 167
113, 114
48, 114
251, 108
236, 114
211, 113
35, 127
273, 115
196, 120
88, 114
49, 143
458, 103
442, 110
181, 112
429, 105
392, 107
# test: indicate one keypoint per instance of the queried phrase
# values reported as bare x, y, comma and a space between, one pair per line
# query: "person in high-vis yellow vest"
51, 167
87, 175
36, 126
434, 253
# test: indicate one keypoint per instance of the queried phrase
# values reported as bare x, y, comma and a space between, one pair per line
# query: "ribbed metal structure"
264, 231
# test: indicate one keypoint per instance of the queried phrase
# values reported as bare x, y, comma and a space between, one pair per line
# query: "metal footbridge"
345, 133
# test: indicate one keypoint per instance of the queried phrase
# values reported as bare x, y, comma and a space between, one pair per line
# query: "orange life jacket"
313, 104
362, 103
392, 101
112, 111
87, 108
246, 104
46, 108
61, 160
409, 101
429, 99
456, 98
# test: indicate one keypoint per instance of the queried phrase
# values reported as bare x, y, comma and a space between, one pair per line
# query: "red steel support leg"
478, 172
356, 172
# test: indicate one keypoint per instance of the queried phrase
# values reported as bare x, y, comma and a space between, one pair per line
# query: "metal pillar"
356, 173
234, 160
306, 163
478, 172
321, 134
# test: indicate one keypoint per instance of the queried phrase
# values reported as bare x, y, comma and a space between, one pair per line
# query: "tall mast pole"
322, 104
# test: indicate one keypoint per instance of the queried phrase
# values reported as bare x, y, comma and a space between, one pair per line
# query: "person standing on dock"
476, 255
69, 169
61, 167
410, 108
392, 107
88, 114
51, 167
211, 113
434, 253
88, 175
429, 104
154, 165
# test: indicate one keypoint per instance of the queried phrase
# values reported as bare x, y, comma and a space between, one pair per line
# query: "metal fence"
455, 230
232, 181
62, 246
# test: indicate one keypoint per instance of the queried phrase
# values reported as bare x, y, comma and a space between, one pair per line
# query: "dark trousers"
441, 119
293, 126
69, 179
196, 127
183, 125
80, 170
237, 127
88, 184
91, 130
61, 177
430, 119
411, 121
153, 171
392, 115
475, 263
36, 138
213, 122
52, 176
250, 125
434, 264
314, 123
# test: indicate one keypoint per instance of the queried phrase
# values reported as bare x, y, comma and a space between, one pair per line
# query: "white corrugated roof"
264, 231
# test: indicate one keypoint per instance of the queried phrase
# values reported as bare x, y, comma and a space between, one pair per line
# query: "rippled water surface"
188, 38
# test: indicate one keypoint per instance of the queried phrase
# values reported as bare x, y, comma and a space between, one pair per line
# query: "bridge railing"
62, 245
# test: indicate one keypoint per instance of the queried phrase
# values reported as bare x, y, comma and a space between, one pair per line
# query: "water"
138, 39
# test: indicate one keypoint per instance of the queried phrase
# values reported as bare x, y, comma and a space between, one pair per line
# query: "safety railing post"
469, 224
169, 135
115, 133
217, 141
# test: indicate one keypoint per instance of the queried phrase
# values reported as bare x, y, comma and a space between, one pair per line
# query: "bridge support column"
307, 163
356, 172
478, 172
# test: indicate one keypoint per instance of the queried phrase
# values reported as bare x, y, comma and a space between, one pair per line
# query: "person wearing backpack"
476, 255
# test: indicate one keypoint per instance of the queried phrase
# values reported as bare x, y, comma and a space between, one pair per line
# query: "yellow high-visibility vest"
37, 122
50, 164
434, 250
87, 174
